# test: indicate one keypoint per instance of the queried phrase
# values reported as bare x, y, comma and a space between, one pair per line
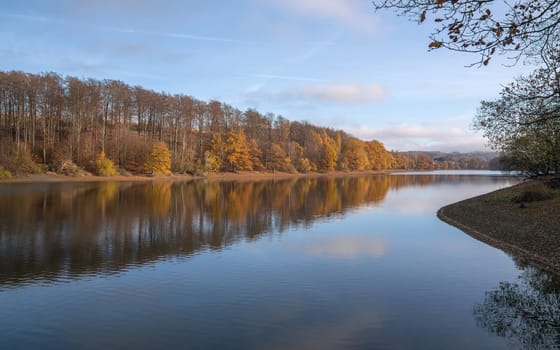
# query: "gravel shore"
529, 231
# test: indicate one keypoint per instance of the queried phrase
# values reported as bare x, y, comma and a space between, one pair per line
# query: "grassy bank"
523, 220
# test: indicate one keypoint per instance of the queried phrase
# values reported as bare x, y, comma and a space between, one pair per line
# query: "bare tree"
486, 27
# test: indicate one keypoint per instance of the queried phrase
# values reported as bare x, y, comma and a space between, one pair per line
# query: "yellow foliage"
212, 162
4, 173
279, 160
329, 154
379, 157
238, 151
354, 156
158, 161
104, 166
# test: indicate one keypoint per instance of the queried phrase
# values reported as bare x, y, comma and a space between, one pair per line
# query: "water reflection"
348, 247
526, 312
54, 231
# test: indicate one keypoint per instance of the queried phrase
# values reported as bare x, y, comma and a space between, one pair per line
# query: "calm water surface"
347, 263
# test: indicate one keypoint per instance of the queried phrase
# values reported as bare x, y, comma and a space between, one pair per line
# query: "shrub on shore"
19, 162
536, 191
104, 166
4, 173
158, 161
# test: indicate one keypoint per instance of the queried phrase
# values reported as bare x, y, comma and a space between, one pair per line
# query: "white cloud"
335, 93
341, 11
346, 93
447, 135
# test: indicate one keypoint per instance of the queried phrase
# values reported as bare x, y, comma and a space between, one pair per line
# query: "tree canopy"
524, 123
486, 27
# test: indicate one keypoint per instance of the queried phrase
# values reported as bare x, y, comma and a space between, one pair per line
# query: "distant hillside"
457, 160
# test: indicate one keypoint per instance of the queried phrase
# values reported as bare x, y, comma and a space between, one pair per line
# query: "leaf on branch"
423, 16
499, 32
435, 44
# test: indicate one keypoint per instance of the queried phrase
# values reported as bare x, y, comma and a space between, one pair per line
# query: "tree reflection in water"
527, 312
54, 231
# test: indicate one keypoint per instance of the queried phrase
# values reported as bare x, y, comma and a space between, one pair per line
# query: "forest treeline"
48, 122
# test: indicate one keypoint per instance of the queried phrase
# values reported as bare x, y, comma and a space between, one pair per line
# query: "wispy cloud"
183, 36
341, 11
31, 18
285, 77
445, 135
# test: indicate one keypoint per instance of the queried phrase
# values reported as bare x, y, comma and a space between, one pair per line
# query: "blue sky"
333, 63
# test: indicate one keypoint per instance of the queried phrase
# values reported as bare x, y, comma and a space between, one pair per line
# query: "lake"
357, 262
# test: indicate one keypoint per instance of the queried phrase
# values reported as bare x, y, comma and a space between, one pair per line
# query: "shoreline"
526, 232
229, 176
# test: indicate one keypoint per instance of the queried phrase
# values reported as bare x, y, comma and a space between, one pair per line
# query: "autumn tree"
214, 157
238, 151
422, 161
525, 27
278, 159
329, 154
313, 147
401, 161
299, 161
354, 156
255, 155
379, 157
158, 161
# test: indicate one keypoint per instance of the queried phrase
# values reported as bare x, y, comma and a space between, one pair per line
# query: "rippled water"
325, 263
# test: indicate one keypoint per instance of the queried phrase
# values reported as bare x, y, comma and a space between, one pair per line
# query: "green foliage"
5, 173
104, 166
158, 161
